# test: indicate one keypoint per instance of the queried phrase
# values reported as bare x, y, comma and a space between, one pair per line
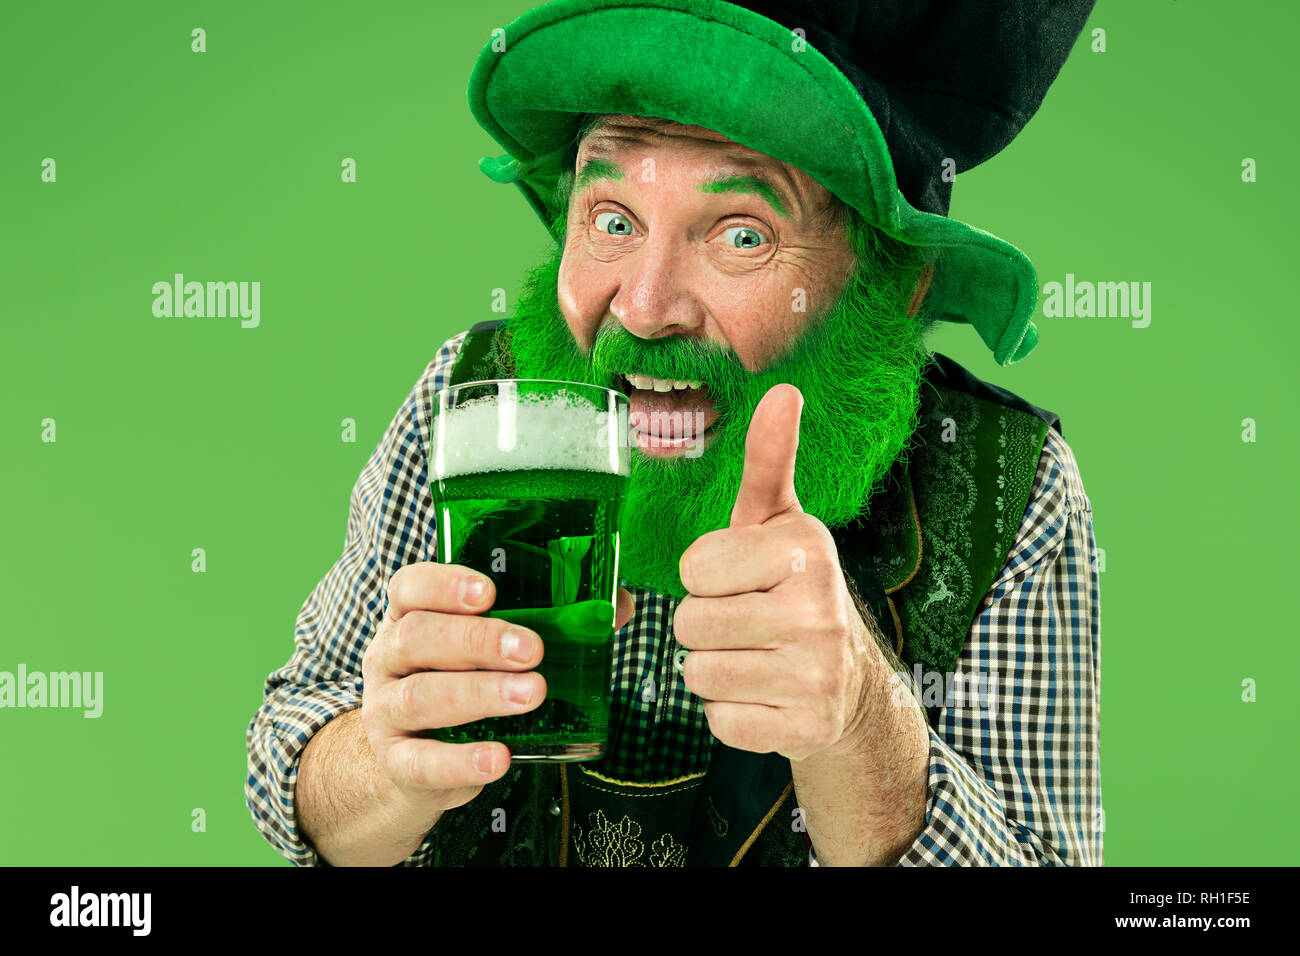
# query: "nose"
654, 299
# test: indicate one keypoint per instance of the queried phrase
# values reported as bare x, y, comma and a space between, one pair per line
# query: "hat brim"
713, 64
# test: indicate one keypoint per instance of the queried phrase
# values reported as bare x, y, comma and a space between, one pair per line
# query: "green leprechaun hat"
874, 100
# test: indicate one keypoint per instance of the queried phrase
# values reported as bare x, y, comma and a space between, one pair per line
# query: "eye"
613, 223
743, 237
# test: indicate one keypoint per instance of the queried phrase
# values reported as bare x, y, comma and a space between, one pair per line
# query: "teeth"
647, 383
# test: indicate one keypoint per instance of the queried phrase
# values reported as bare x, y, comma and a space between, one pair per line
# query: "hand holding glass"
528, 481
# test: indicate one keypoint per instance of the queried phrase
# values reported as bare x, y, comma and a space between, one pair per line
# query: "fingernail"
472, 590
483, 760
519, 688
516, 645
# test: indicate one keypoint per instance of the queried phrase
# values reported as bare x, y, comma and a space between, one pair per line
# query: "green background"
175, 434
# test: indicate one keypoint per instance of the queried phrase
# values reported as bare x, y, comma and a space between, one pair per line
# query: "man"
797, 580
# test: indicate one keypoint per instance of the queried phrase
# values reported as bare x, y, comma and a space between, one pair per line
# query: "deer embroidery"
941, 593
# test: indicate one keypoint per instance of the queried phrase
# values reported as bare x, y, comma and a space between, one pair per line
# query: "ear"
918, 294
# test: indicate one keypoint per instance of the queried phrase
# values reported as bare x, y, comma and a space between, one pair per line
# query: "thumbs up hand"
780, 656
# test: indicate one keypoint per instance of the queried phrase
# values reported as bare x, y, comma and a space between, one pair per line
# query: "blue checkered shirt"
1015, 784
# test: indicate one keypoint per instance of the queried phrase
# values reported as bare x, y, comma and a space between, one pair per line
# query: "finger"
435, 765
767, 481
429, 586
754, 727
430, 640
753, 621
626, 606
751, 557
743, 677
432, 699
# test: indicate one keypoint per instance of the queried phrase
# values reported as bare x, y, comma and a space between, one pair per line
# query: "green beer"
548, 538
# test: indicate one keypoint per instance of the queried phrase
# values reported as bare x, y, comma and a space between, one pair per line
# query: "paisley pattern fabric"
974, 462
508, 824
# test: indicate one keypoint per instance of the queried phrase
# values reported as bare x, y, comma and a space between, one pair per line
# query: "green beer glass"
528, 479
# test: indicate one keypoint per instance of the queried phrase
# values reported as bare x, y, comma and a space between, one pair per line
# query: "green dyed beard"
859, 369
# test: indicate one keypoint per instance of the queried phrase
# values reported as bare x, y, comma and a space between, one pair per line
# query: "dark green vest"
937, 533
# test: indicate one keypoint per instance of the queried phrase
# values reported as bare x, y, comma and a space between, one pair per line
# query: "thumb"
767, 482
623, 613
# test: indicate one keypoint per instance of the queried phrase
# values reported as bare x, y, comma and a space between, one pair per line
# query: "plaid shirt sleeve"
1014, 779
387, 529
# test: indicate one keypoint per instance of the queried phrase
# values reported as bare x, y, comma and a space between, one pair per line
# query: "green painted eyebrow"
594, 169
748, 184
597, 169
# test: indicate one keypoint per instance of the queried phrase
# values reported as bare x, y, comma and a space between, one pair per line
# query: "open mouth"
669, 417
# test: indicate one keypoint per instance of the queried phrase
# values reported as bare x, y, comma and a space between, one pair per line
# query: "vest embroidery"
608, 844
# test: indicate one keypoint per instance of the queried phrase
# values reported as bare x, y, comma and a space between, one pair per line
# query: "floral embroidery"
608, 844
666, 851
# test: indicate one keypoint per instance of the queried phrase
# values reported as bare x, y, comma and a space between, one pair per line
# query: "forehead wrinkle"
610, 138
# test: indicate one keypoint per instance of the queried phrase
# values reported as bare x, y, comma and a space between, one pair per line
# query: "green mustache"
617, 352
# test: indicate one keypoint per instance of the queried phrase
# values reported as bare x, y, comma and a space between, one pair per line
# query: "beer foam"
561, 430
